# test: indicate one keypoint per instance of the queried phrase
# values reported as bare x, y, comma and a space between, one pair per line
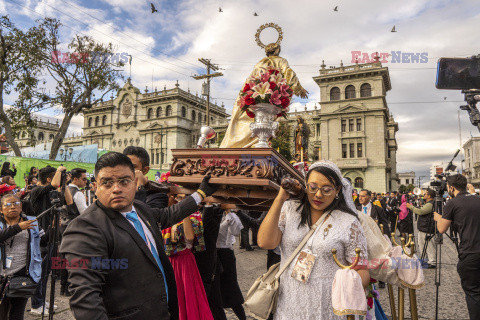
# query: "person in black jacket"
128, 274
374, 211
141, 162
6, 171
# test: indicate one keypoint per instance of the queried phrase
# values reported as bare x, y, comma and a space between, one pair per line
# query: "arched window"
90, 122
211, 120
184, 112
168, 112
359, 183
159, 112
40, 136
199, 117
350, 92
149, 113
51, 136
365, 90
194, 115
335, 93
97, 121
205, 118
104, 120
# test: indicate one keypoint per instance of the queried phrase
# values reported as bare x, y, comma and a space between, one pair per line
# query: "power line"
19, 4
119, 30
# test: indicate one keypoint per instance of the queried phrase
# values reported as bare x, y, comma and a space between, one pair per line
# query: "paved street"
452, 304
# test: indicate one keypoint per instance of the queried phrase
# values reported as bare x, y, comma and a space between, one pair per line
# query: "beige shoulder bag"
261, 299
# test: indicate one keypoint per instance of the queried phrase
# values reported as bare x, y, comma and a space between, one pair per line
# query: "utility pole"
210, 67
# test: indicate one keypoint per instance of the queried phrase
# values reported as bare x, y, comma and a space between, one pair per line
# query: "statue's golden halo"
263, 27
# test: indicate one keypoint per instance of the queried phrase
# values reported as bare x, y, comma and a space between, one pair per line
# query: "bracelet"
202, 194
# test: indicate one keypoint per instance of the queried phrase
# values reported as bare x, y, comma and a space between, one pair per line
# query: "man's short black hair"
113, 159
369, 193
139, 152
458, 181
431, 193
45, 173
77, 173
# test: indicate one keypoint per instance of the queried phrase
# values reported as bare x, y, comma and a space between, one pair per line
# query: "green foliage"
282, 141
402, 188
410, 187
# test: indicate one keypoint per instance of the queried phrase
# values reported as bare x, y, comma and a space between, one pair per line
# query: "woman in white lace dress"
286, 224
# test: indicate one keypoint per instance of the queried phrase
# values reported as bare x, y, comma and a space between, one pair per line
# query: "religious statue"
302, 132
238, 134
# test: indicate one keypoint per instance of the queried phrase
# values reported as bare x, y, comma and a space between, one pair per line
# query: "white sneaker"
39, 310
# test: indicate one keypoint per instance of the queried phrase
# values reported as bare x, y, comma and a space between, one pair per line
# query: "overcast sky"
168, 43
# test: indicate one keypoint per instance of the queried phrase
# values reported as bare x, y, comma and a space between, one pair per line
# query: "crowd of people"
150, 254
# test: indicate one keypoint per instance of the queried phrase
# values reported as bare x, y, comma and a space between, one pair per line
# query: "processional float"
250, 172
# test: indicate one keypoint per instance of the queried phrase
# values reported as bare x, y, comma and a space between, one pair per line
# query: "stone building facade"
471, 150
158, 121
406, 178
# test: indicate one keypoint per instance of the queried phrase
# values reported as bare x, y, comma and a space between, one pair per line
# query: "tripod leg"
401, 304
413, 304
392, 302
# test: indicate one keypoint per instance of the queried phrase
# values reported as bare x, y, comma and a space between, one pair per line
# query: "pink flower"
275, 98
284, 90
264, 77
260, 90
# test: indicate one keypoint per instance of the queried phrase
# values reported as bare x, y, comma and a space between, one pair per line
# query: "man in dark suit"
127, 274
374, 211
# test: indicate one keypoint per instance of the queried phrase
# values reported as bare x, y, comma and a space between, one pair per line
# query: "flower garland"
372, 294
267, 86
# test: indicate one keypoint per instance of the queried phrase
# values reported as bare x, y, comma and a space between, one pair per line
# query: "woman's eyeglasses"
325, 190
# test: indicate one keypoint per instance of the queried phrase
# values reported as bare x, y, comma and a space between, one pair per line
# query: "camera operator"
464, 211
426, 226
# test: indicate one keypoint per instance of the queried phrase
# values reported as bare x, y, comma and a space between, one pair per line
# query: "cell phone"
458, 73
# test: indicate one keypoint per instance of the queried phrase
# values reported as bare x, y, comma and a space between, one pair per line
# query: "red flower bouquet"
268, 86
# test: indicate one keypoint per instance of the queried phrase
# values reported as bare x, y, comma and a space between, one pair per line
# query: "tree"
402, 188
78, 75
282, 141
410, 188
20, 67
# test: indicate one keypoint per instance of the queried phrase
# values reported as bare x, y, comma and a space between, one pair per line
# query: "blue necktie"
132, 216
365, 210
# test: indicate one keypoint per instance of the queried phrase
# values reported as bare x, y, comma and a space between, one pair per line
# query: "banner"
84, 153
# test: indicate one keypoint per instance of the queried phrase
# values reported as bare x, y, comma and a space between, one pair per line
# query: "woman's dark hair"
30, 179
337, 204
31, 173
5, 166
111, 160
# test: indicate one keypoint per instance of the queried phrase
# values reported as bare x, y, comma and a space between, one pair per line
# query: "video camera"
462, 74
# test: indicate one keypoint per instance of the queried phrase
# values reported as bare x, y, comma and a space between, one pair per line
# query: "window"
335, 94
359, 183
407, 181
365, 90
89, 122
389, 154
159, 112
199, 117
97, 121
352, 150
359, 150
350, 92
350, 125
104, 120
344, 125
194, 115
168, 111
318, 129
184, 112
40, 136
344, 150
359, 124
51, 136
149, 113
211, 120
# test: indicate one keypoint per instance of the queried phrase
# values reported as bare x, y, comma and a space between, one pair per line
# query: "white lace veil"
346, 185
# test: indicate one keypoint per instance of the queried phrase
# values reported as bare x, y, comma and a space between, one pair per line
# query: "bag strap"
301, 245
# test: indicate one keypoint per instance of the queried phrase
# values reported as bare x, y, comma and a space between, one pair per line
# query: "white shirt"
369, 209
79, 199
147, 232
230, 227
